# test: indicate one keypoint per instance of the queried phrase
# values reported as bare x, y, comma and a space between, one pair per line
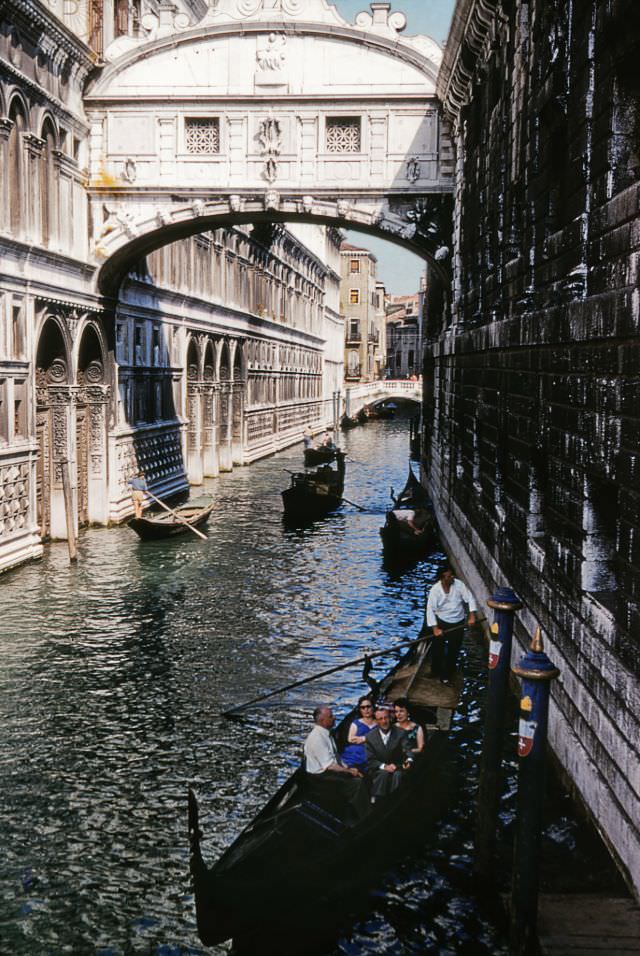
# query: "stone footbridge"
385, 390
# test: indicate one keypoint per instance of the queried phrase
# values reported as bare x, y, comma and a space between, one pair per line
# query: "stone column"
194, 430
32, 213
211, 463
61, 403
6, 125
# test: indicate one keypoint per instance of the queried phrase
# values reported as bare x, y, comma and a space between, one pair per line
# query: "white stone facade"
213, 354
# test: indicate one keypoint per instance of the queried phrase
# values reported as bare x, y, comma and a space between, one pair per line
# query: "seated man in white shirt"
446, 612
326, 776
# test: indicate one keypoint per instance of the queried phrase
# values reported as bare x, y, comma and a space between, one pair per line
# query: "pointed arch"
193, 359
49, 136
18, 115
53, 360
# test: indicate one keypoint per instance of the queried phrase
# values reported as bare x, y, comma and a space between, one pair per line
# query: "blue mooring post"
504, 604
537, 672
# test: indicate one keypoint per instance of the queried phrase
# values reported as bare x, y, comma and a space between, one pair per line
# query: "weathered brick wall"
534, 419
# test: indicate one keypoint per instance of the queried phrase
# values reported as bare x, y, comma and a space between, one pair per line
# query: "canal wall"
532, 389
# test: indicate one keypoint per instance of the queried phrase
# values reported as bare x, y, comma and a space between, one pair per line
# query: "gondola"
410, 526
294, 866
319, 456
162, 524
314, 494
348, 421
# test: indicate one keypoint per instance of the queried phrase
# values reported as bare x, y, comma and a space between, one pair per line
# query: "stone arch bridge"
267, 110
385, 390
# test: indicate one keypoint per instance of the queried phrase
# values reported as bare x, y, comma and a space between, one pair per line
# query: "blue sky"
423, 16
401, 270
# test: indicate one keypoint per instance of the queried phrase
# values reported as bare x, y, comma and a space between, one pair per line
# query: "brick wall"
533, 434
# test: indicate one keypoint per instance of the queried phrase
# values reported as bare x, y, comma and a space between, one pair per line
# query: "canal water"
114, 674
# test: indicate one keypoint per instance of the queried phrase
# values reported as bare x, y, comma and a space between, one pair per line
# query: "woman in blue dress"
354, 754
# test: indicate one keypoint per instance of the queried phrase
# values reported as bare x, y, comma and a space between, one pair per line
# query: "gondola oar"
424, 636
176, 515
360, 508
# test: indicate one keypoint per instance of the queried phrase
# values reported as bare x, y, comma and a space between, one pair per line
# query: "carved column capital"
6, 125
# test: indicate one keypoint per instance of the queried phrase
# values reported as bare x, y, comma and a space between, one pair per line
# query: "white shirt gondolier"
447, 606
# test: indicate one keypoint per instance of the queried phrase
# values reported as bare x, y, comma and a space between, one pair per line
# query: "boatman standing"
449, 600
325, 773
138, 488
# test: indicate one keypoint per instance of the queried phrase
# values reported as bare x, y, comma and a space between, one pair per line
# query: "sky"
399, 269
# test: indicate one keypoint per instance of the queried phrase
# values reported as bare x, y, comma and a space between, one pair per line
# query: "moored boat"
410, 527
297, 862
162, 524
314, 494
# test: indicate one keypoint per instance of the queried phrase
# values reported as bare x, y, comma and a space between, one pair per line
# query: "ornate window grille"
343, 134
202, 135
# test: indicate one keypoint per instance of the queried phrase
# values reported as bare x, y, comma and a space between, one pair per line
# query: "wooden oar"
330, 670
176, 515
352, 503
425, 636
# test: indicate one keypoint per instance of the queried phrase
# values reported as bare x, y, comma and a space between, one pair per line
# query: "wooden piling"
68, 511
536, 671
504, 604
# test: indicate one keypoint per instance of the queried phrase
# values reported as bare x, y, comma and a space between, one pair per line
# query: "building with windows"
533, 398
362, 305
403, 314
221, 347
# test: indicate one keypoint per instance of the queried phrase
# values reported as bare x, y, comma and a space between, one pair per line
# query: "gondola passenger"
354, 754
326, 776
414, 732
388, 754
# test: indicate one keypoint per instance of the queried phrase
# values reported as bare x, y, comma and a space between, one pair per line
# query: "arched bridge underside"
267, 110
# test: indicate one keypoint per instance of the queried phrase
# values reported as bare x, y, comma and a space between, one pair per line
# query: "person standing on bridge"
446, 610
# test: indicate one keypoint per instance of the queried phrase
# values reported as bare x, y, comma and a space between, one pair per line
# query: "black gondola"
349, 421
410, 527
319, 456
162, 524
293, 867
314, 494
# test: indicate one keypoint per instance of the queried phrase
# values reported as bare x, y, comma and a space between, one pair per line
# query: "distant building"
362, 305
403, 317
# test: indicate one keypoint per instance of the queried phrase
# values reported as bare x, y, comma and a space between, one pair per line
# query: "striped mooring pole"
504, 604
536, 672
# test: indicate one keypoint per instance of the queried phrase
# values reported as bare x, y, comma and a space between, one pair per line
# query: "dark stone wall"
533, 421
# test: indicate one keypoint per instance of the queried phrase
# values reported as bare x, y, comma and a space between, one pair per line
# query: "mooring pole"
537, 672
504, 604
68, 510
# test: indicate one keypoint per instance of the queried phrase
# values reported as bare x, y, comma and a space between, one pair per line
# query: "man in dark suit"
388, 753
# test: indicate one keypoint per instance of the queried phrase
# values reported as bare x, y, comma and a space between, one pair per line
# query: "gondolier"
138, 487
446, 611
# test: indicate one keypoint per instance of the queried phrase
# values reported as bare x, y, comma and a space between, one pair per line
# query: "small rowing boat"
293, 867
410, 527
314, 494
164, 524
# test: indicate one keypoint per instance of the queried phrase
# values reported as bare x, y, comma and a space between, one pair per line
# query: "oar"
424, 636
330, 670
176, 515
352, 503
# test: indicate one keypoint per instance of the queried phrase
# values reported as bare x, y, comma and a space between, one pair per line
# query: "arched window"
15, 164
47, 184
